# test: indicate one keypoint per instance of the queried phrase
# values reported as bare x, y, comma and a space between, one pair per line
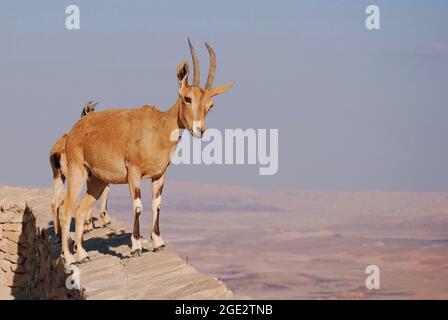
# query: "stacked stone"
48, 273
29, 262
14, 269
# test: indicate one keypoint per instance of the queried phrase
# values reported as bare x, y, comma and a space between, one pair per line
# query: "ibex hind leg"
88, 222
95, 188
104, 215
75, 181
58, 189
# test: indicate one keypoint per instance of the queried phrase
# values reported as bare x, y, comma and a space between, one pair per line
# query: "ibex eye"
187, 99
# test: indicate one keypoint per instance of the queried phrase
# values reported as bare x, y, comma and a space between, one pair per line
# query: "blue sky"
356, 109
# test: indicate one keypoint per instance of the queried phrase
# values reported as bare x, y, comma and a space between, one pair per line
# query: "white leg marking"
138, 208
156, 203
157, 241
137, 205
136, 244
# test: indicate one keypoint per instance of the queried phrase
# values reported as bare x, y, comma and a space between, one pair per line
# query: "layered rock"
30, 267
29, 262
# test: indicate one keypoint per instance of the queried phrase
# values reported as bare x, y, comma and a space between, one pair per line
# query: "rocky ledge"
30, 267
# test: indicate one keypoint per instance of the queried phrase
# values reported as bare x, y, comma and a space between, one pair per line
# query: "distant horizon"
146, 182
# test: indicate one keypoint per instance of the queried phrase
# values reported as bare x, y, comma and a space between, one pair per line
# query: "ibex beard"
124, 146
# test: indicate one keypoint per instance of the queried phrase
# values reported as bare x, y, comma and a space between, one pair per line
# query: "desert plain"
298, 244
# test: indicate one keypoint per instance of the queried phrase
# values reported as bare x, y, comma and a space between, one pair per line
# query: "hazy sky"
356, 109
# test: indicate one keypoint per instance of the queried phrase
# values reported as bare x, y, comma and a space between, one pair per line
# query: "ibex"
124, 146
59, 167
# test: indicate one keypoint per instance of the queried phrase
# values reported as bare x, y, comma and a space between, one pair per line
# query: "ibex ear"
183, 70
221, 89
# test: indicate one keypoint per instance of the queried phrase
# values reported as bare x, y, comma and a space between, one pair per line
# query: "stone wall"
29, 264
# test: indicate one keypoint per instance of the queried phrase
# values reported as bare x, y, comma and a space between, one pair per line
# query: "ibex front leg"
137, 208
157, 187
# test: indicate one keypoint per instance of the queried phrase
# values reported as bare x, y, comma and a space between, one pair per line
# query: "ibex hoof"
88, 226
136, 253
105, 218
68, 260
159, 248
82, 255
86, 259
158, 244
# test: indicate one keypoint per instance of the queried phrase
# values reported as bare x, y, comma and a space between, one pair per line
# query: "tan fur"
119, 146
58, 164
59, 168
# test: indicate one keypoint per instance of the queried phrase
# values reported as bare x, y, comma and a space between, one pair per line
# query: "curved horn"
211, 71
195, 65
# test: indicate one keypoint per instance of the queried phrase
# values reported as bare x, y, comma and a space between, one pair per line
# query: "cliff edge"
30, 267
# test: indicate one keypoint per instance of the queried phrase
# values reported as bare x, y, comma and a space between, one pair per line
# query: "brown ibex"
59, 168
124, 146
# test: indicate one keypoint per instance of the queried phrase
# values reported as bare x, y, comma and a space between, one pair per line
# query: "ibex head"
195, 102
88, 107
